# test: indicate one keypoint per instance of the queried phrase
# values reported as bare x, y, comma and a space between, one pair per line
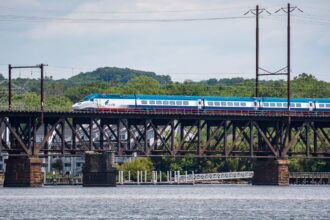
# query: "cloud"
19, 3
142, 9
202, 49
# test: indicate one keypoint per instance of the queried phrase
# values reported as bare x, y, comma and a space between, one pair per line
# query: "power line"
15, 18
135, 12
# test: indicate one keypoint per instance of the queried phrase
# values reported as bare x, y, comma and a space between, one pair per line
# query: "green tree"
58, 103
144, 85
138, 164
76, 94
26, 101
58, 165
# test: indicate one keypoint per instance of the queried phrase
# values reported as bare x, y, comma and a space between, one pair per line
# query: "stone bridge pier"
99, 169
271, 172
23, 171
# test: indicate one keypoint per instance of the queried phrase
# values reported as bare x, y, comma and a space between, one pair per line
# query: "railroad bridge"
271, 139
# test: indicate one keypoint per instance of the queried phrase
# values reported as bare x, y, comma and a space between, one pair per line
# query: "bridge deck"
172, 113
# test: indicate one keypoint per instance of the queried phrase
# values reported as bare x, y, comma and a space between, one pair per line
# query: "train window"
144, 102
158, 102
172, 102
278, 104
210, 103
266, 104
327, 105
236, 103
229, 103
243, 104
272, 104
106, 102
292, 105
223, 103
321, 105
92, 100
298, 105
178, 102
285, 105
165, 102
185, 103
151, 102
217, 103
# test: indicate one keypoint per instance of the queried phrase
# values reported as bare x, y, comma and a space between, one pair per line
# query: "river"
166, 202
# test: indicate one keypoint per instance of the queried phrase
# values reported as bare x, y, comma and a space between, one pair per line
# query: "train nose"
76, 106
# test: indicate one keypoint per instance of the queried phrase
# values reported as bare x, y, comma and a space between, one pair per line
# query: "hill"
117, 75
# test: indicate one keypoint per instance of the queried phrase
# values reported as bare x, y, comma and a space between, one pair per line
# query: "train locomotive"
134, 102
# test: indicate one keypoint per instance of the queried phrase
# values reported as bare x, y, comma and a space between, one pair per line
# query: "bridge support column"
99, 169
271, 172
23, 172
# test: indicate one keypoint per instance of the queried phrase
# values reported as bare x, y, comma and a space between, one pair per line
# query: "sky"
186, 39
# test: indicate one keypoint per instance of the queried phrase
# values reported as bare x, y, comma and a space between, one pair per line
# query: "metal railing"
310, 175
267, 113
204, 177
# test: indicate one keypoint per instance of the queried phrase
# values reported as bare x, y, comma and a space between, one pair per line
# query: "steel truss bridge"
200, 134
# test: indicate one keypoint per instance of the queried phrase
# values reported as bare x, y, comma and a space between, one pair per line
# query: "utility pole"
9, 87
256, 12
41, 67
288, 10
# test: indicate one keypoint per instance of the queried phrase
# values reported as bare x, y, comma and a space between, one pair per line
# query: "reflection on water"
167, 202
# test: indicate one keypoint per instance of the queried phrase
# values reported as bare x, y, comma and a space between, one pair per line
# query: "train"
135, 102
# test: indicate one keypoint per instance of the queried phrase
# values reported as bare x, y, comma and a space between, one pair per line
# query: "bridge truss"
165, 134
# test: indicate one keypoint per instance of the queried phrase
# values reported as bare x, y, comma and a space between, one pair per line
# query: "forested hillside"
116, 75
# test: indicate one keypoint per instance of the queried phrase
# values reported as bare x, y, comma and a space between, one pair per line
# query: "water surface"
166, 202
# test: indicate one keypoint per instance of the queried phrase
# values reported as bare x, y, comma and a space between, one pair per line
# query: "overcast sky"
77, 36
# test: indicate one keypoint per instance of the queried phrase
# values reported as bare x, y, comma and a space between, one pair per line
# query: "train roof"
322, 100
207, 98
92, 96
275, 99
228, 98
169, 97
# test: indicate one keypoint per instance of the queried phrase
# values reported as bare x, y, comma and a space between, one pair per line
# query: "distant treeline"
64, 92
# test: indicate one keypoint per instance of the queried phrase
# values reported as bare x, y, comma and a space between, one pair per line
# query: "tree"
58, 165
58, 103
26, 101
138, 164
77, 93
143, 85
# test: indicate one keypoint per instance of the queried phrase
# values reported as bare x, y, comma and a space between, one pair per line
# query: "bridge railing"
23, 107
203, 177
176, 111
310, 175
216, 112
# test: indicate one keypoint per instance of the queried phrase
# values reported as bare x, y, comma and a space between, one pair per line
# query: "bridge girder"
165, 135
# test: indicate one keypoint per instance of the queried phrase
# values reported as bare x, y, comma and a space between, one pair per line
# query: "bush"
139, 164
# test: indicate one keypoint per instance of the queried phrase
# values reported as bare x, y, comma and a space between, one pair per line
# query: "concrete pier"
271, 172
23, 172
99, 169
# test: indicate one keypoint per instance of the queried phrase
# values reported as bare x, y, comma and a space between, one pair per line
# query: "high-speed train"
112, 102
